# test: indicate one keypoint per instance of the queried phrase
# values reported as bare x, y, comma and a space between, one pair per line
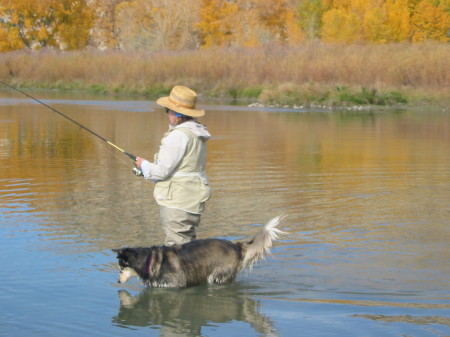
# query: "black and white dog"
213, 261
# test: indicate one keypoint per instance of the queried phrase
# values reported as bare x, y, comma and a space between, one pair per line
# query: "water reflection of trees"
312, 166
184, 312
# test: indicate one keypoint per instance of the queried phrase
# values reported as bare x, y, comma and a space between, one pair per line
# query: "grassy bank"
331, 75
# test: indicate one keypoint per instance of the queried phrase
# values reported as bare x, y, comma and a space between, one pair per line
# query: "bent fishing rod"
133, 157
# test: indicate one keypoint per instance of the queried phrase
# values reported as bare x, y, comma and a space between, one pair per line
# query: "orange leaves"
273, 14
216, 18
430, 22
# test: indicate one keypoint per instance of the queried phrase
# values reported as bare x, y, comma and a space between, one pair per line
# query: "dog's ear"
118, 251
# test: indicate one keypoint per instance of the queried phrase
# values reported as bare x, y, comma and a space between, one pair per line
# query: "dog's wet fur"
213, 261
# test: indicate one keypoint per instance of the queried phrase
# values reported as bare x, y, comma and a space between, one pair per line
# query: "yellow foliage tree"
375, 28
351, 21
383, 21
274, 14
430, 22
398, 20
44, 23
341, 25
27, 24
74, 19
248, 22
216, 17
10, 39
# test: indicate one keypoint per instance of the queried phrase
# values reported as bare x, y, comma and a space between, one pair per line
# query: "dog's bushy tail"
257, 248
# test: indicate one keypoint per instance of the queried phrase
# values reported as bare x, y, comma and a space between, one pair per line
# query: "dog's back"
219, 261
215, 261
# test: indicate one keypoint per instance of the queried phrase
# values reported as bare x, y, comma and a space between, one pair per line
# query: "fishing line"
132, 157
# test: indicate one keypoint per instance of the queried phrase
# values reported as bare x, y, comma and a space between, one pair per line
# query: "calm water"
367, 196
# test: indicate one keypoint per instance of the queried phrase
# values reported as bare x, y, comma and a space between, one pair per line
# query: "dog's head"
127, 264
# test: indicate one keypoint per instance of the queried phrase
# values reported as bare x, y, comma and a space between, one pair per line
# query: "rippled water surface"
366, 194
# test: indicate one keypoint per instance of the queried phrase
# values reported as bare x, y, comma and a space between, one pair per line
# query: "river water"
366, 194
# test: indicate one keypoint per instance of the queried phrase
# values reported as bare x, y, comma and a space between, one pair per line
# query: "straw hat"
181, 100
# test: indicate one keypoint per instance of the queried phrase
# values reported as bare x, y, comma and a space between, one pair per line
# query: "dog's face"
126, 271
126, 274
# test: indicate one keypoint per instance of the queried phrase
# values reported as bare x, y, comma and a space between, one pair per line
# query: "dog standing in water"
213, 261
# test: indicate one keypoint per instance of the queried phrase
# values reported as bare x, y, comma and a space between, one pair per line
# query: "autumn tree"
430, 22
133, 25
374, 26
216, 17
246, 26
187, 24
248, 22
340, 25
44, 23
175, 23
104, 31
279, 20
398, 20
274, 15
27, 24
383, 21
74, 19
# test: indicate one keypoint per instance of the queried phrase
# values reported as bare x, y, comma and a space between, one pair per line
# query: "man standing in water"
179, 168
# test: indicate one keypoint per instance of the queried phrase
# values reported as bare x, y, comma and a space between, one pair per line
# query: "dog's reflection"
183, 312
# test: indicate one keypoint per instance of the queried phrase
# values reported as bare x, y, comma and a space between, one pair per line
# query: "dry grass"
311, 72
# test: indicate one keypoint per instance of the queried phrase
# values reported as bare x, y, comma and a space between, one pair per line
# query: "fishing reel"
137, 172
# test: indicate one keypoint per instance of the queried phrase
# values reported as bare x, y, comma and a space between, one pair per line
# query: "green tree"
310, 17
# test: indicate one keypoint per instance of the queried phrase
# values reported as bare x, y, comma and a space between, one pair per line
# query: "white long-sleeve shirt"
170, 154
173, 148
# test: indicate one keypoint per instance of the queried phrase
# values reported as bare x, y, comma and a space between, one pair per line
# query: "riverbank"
306, 75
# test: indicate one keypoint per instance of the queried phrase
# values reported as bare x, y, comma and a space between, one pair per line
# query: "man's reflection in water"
183, 312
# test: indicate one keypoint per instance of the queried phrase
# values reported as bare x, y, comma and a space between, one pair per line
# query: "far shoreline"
434, 103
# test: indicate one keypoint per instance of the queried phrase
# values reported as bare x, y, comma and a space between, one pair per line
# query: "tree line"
191, 24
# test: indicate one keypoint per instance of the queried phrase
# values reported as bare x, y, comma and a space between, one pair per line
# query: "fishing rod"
132, 157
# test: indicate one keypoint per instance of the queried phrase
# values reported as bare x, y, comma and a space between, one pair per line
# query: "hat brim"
166, 103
